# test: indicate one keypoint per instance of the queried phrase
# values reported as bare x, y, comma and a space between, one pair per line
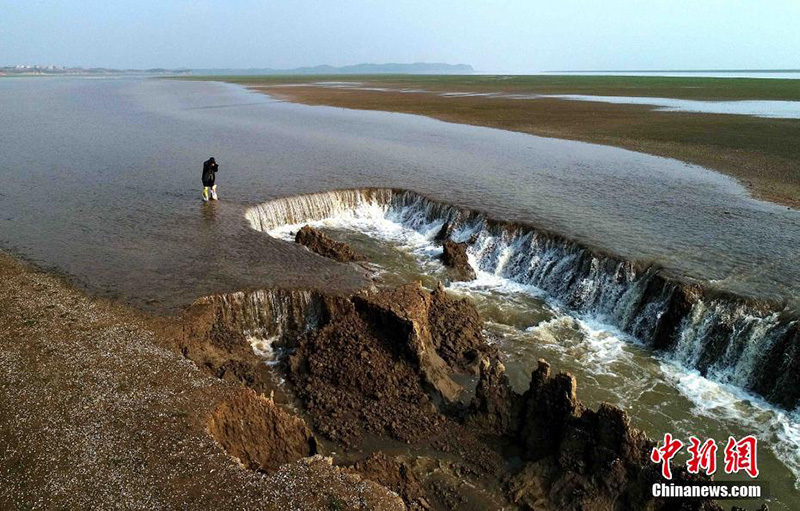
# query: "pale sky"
494, 36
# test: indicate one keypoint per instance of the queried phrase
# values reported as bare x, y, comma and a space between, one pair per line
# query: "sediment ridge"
319, 243
389, 365
730, 339
101, 410
371, 372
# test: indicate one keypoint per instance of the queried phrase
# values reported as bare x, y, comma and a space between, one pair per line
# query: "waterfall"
728, 338
315, 206
269, 313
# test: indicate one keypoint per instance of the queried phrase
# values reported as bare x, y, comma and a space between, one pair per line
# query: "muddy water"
100, 179
660, 394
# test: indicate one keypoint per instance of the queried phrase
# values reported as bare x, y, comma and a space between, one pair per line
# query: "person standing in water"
210, 169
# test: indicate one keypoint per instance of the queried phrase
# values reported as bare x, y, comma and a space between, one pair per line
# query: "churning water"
538, 301
101, 180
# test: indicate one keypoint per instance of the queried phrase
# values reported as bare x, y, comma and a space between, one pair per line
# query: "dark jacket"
210, 169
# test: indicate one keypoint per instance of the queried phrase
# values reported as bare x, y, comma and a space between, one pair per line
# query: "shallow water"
101, 180
660, 394
781, 75
757, 108
764, 108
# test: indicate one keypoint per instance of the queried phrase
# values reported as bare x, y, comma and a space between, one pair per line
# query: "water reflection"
85, 215
209, 211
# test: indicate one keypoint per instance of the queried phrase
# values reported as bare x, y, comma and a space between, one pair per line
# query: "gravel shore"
95, 414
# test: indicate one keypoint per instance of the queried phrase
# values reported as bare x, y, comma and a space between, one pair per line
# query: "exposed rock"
404, 313
375, 365
395, 475
577, 458
204, 335
320, 243
495, 408
457, 332
548, 405
528, 489
258, 433
361, 373
454, 256
444, 232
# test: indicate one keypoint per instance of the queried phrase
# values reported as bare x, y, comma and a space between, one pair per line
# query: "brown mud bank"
399, 386
760, 152
403, 386
99, 410
320, 243
747, 341
257, 432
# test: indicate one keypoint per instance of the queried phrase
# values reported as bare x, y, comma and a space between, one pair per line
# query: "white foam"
724, 402
604, 346
601, 345
263, 348
485, 282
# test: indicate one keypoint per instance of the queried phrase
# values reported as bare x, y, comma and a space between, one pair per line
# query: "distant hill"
419, 68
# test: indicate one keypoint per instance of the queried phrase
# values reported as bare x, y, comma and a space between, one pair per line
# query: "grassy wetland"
762, 153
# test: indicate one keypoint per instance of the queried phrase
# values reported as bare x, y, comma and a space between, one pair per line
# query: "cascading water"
727, 338
694, 357
316, 206
268, 313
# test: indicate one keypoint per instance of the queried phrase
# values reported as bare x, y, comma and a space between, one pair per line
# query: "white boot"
214, 192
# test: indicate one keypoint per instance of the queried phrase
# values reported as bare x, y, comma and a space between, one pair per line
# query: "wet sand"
761, 152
